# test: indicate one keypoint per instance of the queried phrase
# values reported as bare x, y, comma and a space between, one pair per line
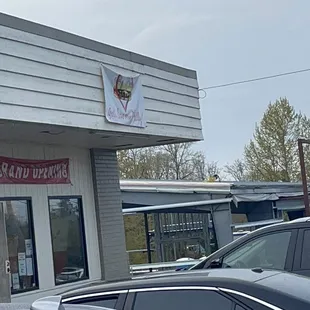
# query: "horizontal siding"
93, 122
81, 178
65, 89
54, 45
48, 75
43, 68
80, 69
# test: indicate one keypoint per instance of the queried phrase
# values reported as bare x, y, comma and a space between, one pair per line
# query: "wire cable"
253, 80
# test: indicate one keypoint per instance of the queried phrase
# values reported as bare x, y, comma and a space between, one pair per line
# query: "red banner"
23, 171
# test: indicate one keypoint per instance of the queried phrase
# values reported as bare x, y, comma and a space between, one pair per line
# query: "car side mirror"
217, 263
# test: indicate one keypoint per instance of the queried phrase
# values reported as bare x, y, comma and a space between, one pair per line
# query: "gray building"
64, 218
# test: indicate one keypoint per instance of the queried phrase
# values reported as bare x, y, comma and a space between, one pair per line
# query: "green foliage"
272, 154
135, 237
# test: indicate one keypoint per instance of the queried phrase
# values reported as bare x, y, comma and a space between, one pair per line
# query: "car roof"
301, 220
298, 223
204, 277
296, 285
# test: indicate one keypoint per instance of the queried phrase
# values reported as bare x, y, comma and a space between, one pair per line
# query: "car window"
181, 300
104, 301
268, 251
305, 257
250, 304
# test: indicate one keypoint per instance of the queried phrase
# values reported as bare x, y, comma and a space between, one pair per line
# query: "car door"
273, 250
302, 253
191, 297
177, 298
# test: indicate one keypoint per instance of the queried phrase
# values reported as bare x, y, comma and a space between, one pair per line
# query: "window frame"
122, 295
132, 293
302, 248
224, 292
32, 236
288, 266
82, 234
298, 253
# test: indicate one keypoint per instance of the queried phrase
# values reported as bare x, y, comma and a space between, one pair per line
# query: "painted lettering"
19, 172
5, 169
111, 113
35, 173
45, 173
54, 171
41, 172
26, 173
64, 171
58, 171
11, 171
50, 172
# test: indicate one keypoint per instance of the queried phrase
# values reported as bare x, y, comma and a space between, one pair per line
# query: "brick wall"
111, 233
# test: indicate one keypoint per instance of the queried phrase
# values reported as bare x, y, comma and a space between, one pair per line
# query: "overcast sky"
224, 40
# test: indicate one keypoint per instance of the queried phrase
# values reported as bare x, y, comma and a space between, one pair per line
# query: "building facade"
64, 227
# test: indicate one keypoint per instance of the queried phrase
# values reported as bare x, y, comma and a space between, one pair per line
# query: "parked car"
283, 246
221, 289
48, 303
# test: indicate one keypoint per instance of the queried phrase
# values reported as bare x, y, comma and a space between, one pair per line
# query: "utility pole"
303, 174
5, 289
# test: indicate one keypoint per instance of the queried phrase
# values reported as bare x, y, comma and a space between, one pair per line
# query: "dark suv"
284, 246
221, 289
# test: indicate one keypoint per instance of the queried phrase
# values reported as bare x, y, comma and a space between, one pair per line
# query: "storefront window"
21, 245
68, 239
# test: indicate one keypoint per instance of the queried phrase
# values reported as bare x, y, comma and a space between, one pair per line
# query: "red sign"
23, 171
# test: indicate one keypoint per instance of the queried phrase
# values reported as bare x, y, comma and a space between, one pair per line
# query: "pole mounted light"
302, 141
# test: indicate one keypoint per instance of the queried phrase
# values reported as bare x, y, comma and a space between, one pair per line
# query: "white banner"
124, 102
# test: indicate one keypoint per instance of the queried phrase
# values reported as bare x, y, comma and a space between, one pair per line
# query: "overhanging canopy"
264, 197
174, 206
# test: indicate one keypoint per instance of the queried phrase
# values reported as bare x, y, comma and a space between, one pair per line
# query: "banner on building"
124, 102
23, 171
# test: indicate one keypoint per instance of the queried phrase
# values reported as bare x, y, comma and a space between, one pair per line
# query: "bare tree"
169, 162
237, 170
180, 159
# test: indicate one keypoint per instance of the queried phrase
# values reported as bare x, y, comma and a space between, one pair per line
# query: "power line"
256, 79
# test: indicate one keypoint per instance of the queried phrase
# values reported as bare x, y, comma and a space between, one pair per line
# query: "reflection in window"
181, 300
68, 239
21, 247
105, 302
268, 251
305, 257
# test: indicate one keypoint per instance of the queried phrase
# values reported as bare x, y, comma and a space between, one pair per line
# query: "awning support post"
147, 237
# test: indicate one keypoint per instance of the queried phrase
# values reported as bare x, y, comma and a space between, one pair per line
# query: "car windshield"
202, 263
250, 250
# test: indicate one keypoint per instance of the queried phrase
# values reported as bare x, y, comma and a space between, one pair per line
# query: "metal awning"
256, 223
265, 197
187, 187
152, 209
